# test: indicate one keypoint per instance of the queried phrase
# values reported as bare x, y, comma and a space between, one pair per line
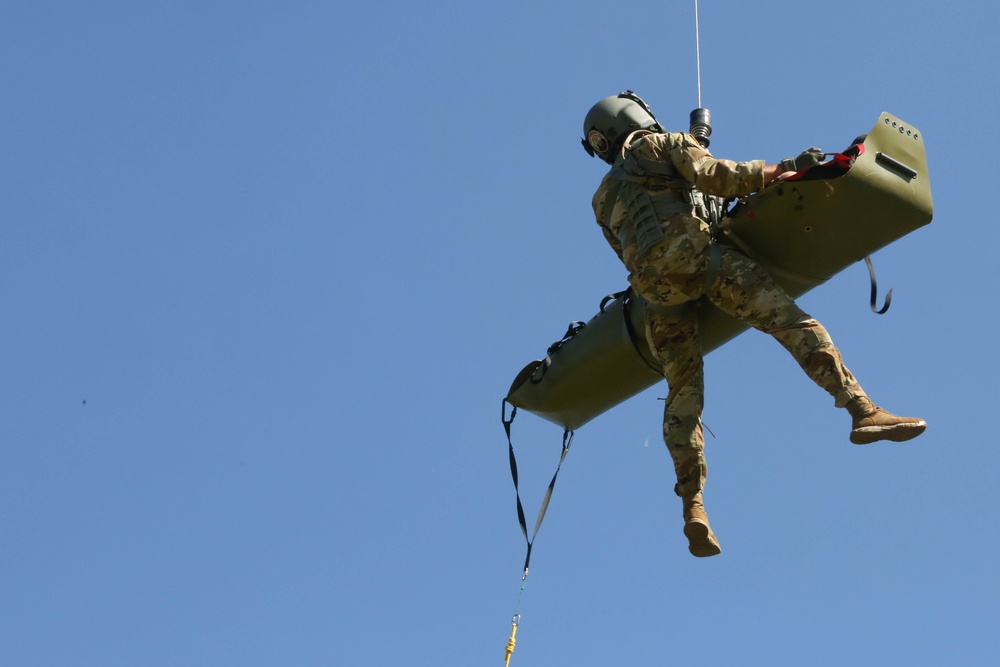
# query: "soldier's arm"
772, 172
725, 178
711, 175
599, 209
613, 241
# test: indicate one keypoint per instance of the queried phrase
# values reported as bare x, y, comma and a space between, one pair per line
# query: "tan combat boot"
701, 539
872, 423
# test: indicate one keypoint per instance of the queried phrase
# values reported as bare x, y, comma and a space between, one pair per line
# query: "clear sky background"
268, 269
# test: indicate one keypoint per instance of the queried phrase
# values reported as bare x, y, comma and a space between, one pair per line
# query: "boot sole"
896, 433
701, 541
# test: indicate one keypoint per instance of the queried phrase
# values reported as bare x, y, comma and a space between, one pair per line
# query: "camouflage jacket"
683, 165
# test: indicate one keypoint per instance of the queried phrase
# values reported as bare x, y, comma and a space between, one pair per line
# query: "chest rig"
648, 190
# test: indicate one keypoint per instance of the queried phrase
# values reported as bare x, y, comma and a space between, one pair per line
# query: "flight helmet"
611, 120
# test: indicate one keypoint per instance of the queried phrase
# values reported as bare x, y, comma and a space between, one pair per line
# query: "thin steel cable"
697, 49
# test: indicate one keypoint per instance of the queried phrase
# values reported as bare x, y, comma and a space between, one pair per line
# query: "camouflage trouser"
747, 292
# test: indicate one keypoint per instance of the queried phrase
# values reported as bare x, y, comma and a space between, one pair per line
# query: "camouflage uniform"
667, 247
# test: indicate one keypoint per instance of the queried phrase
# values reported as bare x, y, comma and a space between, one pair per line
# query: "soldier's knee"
822, 357
791, 318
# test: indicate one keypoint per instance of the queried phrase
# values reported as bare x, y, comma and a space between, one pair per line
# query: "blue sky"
269, 268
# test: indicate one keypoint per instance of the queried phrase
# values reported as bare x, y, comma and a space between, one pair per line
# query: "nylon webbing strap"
888, 296
633, 336
573, 329
714, 264
567, 441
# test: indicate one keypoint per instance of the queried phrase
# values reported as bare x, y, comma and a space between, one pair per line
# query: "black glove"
810, 157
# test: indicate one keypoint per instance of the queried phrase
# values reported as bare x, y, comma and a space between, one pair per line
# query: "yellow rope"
510, 642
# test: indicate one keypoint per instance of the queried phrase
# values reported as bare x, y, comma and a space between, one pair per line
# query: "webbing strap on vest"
644, 227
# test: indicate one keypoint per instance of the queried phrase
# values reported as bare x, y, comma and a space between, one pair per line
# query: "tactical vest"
650, 190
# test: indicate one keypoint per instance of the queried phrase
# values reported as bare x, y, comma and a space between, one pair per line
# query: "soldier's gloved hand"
810, 157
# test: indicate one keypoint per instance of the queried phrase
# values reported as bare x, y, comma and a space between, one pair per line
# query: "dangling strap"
888, 296
627, 296
567, 441
714, 264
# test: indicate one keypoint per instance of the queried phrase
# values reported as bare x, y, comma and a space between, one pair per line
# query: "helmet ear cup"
598, 142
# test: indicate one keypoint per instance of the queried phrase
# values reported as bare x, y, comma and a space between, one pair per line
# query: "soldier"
653, 213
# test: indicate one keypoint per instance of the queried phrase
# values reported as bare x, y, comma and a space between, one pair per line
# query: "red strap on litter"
847, 158
838, 165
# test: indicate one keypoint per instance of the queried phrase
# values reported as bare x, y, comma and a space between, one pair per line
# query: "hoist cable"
697, 50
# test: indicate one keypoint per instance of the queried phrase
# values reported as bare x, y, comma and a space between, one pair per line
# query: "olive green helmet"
611, 120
